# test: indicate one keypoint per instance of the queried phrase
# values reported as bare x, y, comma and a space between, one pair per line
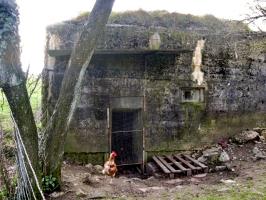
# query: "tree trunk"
19, 103
12, 79
57, 126
13, 82
4, 176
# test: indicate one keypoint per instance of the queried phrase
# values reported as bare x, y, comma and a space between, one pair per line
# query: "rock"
147, 189
136, 180
195, 155
97, 195
263, 133
224, 157
174, 181
89, 166
202, 159
152, 178
127, 181
179, 187
81, 193
200, 175
56, 194
262, 138
157, 188
98, 178
260, 156
123, 177
220, 168
228, 181
210, 156
259, 129
246, 136
158, 175
258, 153
223, 190
256, 150
144, 190
98, 168
88, 180
195, 180
210, 152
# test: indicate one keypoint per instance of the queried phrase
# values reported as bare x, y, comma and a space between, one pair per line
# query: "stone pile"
219, 157
247, 136
94, 169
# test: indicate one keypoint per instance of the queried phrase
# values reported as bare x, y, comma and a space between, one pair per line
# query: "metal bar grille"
126, 137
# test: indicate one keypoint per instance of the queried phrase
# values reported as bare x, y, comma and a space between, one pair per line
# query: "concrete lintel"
67, 52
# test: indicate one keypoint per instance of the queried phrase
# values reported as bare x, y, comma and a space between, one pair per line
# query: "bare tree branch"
3, 100
35, 86
258, 12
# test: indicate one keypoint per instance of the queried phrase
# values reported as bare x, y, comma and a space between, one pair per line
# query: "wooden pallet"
179, 164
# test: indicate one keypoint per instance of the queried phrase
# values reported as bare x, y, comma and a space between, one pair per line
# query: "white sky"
35, 15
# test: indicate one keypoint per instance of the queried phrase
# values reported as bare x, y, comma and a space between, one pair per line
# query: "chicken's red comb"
114, 153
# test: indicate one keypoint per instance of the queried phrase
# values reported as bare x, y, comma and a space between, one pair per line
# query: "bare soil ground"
246, 181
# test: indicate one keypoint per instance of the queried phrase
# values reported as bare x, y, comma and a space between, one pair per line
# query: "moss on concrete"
85, 158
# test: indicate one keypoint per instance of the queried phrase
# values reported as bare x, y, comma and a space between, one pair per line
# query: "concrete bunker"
151, 91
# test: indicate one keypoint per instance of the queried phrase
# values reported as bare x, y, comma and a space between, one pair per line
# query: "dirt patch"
247, 174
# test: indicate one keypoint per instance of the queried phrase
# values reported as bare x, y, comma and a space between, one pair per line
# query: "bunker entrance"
126, 136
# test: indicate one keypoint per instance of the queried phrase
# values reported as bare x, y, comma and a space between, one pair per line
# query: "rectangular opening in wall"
192, 94
126, 136
187, 95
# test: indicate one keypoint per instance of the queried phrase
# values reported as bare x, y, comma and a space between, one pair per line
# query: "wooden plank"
158, 162
187, 163
188, 171
176, 163
195, 161
173, 170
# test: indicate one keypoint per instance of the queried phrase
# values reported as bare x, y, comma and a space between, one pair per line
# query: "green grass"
234, 195
249, 190
4, 114
35, 100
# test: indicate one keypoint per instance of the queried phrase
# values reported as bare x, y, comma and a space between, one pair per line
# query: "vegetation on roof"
172, 20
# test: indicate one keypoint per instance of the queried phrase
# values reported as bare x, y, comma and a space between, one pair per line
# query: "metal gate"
127, 136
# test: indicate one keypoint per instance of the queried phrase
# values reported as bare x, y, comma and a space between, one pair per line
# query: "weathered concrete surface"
179, 113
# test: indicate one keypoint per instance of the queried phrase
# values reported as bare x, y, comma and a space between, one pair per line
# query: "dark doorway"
126, 138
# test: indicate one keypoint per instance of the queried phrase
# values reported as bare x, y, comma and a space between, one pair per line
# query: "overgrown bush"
3, 194
49, 184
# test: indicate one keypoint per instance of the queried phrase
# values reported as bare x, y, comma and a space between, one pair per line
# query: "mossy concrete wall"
234, 87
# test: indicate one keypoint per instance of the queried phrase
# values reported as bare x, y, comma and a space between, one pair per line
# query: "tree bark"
12, 79
19, 103
13, 83
57, 126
